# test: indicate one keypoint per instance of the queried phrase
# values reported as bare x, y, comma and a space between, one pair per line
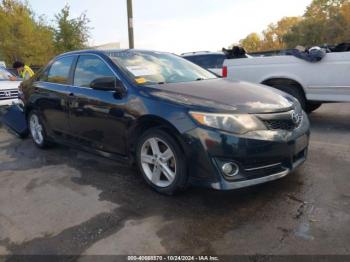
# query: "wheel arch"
28, 109
272, 81
148, 122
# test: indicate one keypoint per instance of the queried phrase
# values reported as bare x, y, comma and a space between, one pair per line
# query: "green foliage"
274, 35
323, 8
22, 37
324, 22
252, 42
71, 34
26, 37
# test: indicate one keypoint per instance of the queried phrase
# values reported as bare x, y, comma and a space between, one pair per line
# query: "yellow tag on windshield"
140, 80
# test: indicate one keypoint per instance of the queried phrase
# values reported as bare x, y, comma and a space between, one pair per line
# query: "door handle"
70, 102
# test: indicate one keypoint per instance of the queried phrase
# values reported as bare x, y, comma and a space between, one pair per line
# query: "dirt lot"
62, 201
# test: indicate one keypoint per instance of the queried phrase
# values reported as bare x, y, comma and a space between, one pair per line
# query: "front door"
96, 117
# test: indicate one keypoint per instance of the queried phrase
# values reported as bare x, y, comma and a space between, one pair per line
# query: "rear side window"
208, 61
4, 74
59, 70
90, 68
219, 61
191, 59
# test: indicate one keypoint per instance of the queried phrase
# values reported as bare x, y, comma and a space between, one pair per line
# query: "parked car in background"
8, 88
311, 83
212, 61
180, 123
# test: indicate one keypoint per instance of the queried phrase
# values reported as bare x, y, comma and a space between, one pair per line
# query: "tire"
37, 130
293, 90
312, 106
165, 173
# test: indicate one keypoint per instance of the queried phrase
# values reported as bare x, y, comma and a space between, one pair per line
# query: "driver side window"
88, 69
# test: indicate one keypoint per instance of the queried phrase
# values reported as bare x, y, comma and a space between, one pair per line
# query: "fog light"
230, 169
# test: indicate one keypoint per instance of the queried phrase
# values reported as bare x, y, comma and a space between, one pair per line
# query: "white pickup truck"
8, 88
311, 83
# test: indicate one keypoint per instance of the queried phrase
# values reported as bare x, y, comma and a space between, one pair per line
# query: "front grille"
282, 121
264, 171
280, 124
8, 94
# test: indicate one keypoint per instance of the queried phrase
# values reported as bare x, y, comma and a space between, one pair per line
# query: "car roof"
106, 52
198, 53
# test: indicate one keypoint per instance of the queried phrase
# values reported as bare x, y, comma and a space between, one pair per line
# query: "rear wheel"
161, 161
37, 130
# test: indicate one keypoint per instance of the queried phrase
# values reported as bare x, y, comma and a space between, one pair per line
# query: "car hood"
4, 84
224, 95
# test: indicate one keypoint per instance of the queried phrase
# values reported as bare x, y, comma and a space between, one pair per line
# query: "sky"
176, 25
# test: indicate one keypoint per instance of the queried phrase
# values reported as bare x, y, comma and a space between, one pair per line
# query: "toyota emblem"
7, 93
296, 118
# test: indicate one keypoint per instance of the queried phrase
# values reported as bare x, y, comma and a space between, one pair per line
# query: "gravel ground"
62, 201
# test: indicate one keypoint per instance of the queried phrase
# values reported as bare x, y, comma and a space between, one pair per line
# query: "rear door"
51, 93
96, 116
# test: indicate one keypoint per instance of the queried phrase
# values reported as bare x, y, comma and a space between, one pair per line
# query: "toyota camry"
180, 124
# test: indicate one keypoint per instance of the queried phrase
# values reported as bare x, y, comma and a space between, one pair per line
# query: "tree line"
324, 22
30, 38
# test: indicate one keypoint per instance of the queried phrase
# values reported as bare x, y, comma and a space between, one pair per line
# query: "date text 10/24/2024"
173, 258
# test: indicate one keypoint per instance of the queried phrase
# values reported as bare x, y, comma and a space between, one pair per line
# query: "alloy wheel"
158, 162
36, 129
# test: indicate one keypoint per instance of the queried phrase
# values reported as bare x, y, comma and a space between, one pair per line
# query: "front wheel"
37, 130
161, 162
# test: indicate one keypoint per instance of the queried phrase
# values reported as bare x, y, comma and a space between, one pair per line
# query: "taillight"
224, 72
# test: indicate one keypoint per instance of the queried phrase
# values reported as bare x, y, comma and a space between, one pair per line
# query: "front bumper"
8, 102
262, 157
226, 185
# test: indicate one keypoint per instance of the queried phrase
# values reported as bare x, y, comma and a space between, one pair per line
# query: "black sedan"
178, 122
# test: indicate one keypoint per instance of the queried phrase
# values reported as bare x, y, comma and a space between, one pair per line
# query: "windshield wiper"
199, 79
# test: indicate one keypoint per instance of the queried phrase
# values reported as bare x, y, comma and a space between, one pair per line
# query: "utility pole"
130, 24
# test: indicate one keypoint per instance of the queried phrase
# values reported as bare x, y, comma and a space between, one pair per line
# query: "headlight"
233, 123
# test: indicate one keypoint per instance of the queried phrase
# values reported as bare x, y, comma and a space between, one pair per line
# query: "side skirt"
67, 140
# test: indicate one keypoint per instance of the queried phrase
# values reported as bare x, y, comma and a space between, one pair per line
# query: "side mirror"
108, 84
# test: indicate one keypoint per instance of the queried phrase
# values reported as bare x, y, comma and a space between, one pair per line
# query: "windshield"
4, 74
158, 68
